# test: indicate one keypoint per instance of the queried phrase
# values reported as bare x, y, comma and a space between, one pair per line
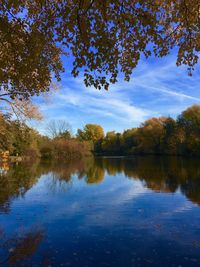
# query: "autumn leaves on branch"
103, 38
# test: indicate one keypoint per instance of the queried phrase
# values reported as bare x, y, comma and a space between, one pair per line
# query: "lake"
140, 211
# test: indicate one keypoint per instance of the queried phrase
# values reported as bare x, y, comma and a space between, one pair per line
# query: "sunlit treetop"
91, 132
103, 38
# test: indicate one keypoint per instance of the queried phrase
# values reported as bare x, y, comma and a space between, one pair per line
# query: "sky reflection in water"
101, 212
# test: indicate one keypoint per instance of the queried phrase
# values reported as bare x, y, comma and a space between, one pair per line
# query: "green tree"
112, 143
18, 138
91, 132
189, 122
150, 135
190, 119
129, 140
6, 136
25, 140
170, 140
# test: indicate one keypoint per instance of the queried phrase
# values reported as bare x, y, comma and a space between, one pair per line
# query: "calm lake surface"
142, 211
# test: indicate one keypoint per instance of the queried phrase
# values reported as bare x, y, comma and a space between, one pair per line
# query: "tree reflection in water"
21, 248
161, 174
166, 175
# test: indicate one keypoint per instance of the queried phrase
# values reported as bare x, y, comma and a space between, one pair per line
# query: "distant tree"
163, 135
112, 143
59, 129
190, 118
169, 140
150, 135
103, 37
91, 132
6, 136
66, 149
129, 140
189, 123
18, 138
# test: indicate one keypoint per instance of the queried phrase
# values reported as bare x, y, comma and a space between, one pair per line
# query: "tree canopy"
163, 135
91, 132
103, 38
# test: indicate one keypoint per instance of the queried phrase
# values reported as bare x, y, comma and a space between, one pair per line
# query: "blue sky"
157, 87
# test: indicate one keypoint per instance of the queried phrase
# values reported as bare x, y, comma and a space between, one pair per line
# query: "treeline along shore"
159, 136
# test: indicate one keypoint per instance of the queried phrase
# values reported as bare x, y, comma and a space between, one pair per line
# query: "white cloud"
174, 93
168, 80
104, 105
156, 88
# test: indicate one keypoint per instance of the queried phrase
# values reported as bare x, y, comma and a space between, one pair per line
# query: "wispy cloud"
107, 104
168, 80
176, 94
79, 105
156, 88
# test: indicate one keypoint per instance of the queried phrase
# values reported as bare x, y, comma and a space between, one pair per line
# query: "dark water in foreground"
101, 212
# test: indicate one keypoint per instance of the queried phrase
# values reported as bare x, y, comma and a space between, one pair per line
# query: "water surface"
141, 211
